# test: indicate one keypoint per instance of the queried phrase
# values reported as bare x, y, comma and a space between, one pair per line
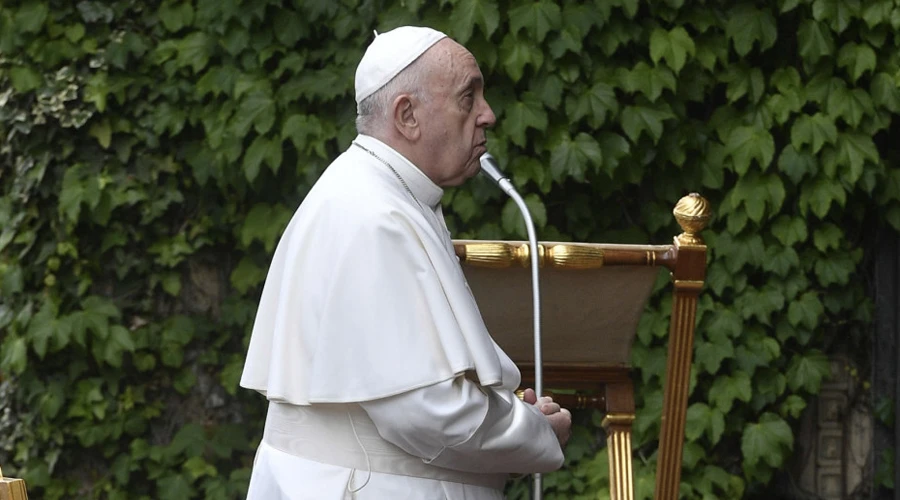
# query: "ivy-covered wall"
151, 153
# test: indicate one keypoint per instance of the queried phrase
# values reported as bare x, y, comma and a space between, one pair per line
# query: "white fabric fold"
457, 425
365, 298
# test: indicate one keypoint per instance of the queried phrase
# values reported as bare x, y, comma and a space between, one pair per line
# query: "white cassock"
382, 380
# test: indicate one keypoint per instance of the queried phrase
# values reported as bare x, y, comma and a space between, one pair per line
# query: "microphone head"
490, 168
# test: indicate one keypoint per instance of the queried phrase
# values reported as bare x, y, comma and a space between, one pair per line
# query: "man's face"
456, 114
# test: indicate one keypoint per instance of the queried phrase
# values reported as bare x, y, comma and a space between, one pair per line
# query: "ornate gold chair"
592, 298
12, 489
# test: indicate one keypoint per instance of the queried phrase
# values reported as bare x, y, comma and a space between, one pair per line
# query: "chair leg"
618, 444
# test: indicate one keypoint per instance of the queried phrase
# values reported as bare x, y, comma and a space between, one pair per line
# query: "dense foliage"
153, 151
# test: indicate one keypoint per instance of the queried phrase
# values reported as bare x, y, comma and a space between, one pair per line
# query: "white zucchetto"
388, 54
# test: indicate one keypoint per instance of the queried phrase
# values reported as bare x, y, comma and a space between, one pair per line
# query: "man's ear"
405, 117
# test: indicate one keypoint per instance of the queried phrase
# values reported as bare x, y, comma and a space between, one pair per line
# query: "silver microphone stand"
489, 167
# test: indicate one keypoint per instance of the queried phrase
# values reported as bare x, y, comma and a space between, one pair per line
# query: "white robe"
365, 304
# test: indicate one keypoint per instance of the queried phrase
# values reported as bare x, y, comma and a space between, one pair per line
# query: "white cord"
507, 187
368, 463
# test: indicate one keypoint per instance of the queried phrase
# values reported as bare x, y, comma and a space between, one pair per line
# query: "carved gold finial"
692, 213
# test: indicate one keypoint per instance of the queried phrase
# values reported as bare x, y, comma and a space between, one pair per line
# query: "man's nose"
487, 117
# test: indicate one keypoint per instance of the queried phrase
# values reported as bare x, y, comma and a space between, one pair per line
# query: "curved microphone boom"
491, 169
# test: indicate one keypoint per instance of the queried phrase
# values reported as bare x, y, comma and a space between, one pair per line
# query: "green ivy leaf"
537, 18
806, 311
853, 150
649, 80
119, 341
674, 46
709, 355
745, 144
511, 218
819, 195
756, 191
102, 132
194, 51
24, 79
569, 39
465, 206
572, 158
469, 13
792, 406
815, 41
31, 16
827, 236
816, 130
835, 269
727, 388
744, 81
789, 230
838, 13
322, 85
806, 371
261, 149
516, 53
235, 41
781, 261
175, 16
256, 109
174, 486
524, 113
78, 188
42, 328
758, 351
614, 147
696, 421
726, 322
788, 5
884, 92
761, 303
851, 105
637, 120
549, 90
264, 223
711, 50
15, 355
598, 102
796, 164
747, 24
767, 440
856, 59
290, 27
246, 275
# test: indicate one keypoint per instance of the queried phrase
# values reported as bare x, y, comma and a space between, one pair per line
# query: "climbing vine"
153, 151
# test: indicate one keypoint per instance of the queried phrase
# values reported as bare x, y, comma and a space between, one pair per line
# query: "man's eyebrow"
471, 82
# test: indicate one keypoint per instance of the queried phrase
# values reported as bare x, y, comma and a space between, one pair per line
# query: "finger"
544, 400
530, 397
550, 408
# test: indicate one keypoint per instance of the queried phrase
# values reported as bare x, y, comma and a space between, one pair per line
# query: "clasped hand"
560, 418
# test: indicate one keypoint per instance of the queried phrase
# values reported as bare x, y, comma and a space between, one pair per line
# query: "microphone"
491, 169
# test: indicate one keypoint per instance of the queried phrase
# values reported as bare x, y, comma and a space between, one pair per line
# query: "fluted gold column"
692, 213
618, 445
12, 489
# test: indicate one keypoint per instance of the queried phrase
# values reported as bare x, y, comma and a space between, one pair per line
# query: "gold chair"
12, 489
592, 297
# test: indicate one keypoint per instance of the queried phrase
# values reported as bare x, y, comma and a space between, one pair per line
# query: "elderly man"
382, 380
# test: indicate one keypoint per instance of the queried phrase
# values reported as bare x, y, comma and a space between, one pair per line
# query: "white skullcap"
388, 54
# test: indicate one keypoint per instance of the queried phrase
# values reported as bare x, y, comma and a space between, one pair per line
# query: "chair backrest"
592, 297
